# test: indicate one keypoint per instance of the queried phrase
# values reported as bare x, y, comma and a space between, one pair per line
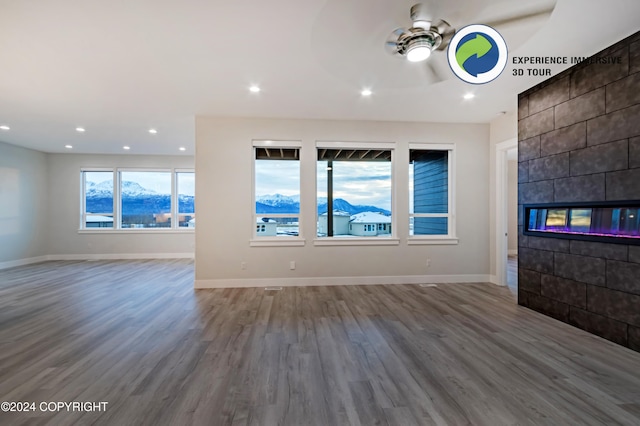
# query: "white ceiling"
120, 68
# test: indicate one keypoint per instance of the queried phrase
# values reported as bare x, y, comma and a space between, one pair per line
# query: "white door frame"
501, 224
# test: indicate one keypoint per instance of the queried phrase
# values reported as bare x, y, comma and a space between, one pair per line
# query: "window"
431, 212
353, 187
276, 189
145, 199
140, 199
98, 199
186, 187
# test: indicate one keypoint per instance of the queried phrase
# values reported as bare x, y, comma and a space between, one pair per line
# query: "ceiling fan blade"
519, 19
434, 75
446, 32
390, 44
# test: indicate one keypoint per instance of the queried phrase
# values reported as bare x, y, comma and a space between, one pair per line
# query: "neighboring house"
98, 221
266, 227
369, 224
340, 223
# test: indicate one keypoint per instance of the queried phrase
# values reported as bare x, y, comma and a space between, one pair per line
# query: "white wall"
23, 204
512, 205
223, 190
63, 214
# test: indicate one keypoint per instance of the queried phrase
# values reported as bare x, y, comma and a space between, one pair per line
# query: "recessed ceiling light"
469, 96
153, 131
182, 148
80, 129
254, 89
68, 146
4, 127
126, 147
366, 92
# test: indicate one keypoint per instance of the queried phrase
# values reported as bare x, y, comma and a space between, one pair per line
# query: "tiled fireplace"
578, 192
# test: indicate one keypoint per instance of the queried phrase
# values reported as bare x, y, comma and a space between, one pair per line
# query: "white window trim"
357, 145
117, 213
270, 241
356, 241
451, 237
174, 199
83, 201
391, 239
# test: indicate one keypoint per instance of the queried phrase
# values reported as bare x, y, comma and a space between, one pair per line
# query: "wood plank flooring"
136, 335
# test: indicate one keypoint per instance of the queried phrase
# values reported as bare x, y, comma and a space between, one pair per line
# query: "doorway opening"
507, 214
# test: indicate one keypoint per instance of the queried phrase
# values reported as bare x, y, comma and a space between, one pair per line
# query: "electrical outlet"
243, 265
292, 265
428, 263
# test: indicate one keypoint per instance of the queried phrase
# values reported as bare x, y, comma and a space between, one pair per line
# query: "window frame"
392, 238
451, 236
117, 201
175, 202
257, 240
83, 200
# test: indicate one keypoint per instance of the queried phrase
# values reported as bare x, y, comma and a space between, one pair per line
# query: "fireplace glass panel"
611, 223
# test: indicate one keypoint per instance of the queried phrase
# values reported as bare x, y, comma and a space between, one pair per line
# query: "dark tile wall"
579, 140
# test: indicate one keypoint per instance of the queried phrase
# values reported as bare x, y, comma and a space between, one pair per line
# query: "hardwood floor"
136, 335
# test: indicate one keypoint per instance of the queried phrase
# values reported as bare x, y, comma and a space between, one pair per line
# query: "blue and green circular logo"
477, 54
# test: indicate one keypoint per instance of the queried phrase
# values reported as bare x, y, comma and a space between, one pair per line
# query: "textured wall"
579, 140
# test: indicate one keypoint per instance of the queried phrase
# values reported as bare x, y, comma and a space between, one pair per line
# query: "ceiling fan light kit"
419, 49
417, 42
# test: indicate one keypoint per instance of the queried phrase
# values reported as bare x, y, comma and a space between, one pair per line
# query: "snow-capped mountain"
136, 199
278, 199
134, 189
105, 189
345, 206
278, 203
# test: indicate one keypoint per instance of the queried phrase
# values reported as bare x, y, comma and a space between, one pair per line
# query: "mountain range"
277, 203
137, 200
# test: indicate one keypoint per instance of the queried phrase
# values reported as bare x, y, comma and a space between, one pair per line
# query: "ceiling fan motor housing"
418, 36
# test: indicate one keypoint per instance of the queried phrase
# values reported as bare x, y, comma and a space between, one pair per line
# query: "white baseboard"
111, 256
22, 262
330, 281
512, 252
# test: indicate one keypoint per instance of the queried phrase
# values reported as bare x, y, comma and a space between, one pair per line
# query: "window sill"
277, 242
418, 241
136, 231
372, 241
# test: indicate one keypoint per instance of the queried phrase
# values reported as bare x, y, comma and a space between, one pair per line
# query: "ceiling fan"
425, 35
349, 47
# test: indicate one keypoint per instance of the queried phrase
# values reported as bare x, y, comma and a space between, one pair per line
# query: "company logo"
477, 54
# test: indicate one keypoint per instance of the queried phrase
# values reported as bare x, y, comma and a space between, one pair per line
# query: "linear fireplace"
609, 222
